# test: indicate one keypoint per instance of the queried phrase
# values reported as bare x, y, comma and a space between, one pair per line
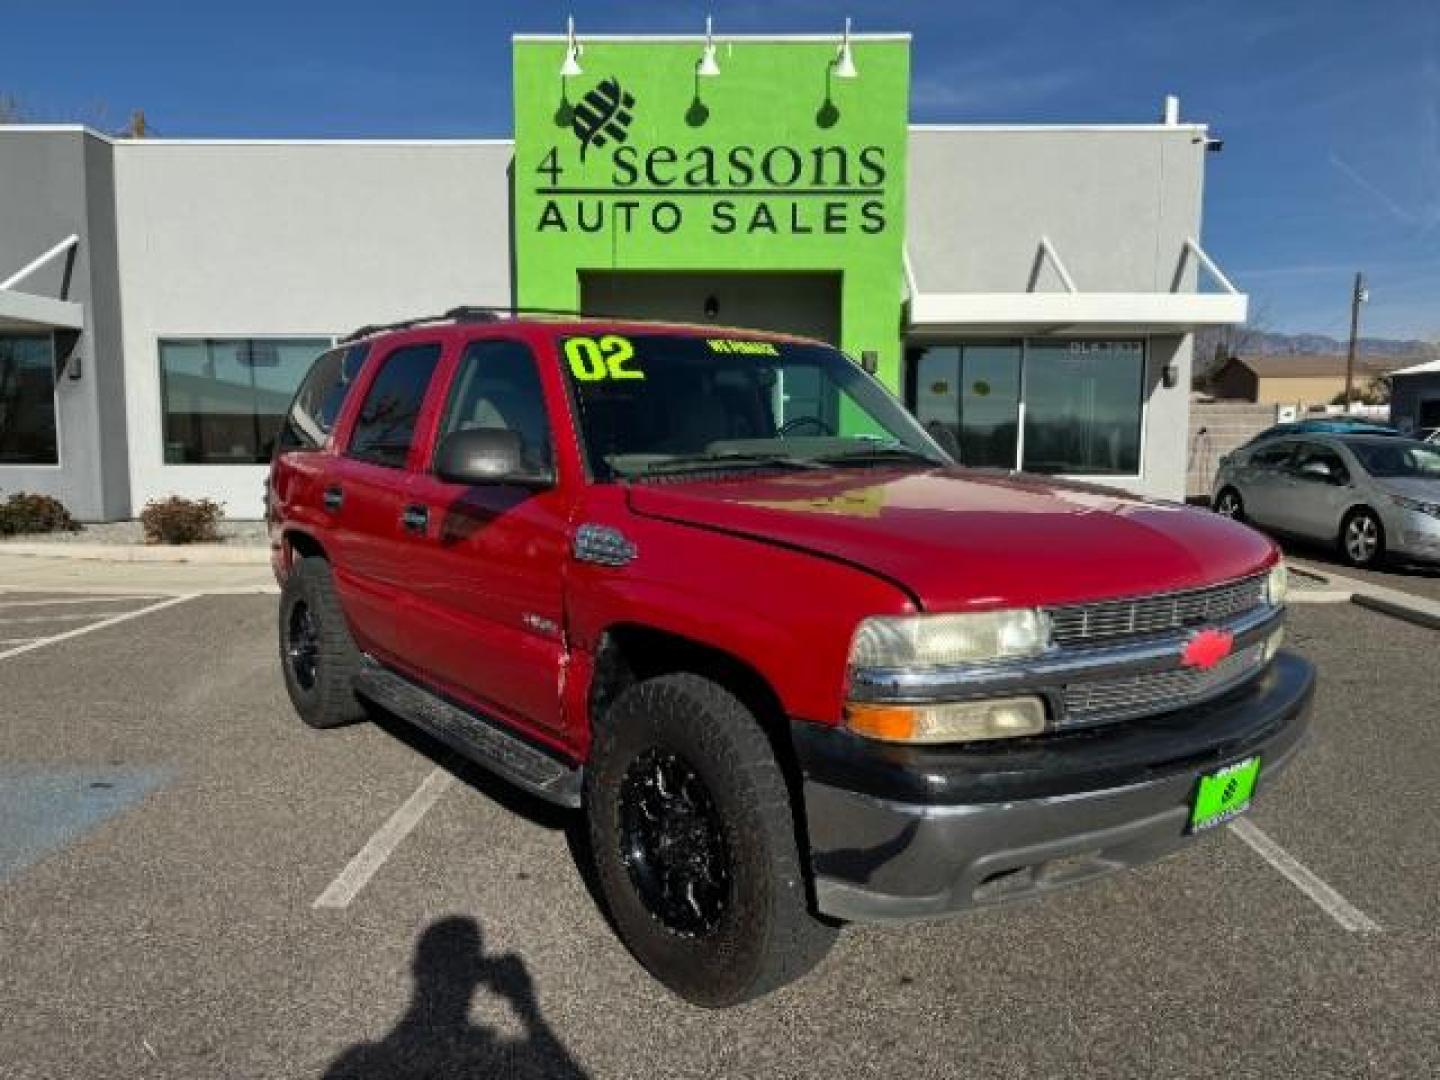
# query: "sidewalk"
101, 575
1420, 610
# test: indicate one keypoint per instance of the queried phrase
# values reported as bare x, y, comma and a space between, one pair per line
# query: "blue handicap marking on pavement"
43, 808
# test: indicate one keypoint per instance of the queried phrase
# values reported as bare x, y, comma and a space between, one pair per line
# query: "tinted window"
225, 399
1314, 452
498, 386
1401, 458
27, 400
385, 427
1272, 457
1082, 407
318, 402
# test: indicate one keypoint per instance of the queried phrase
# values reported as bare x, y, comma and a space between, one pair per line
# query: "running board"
478, 739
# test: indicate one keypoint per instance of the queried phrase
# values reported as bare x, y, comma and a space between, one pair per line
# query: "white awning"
28, 311
1076, 310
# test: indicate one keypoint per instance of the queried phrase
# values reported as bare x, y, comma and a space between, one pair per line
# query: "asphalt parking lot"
179, 897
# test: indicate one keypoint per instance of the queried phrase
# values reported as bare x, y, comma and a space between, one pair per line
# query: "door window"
385, 428
498, 386
27, 400
1309, 453
1272, 458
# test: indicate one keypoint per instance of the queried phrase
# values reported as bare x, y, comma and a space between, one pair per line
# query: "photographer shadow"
437, 1038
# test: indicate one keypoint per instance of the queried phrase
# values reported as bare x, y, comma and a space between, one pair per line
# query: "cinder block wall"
1216, 428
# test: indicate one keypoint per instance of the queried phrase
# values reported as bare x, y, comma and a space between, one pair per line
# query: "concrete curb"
201, 554
1419, 610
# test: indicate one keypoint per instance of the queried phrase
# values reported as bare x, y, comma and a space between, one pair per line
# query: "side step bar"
483, 742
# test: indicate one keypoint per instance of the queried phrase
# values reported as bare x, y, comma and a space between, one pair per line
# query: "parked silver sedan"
1372, 496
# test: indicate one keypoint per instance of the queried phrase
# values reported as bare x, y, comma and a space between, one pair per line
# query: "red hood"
961, 539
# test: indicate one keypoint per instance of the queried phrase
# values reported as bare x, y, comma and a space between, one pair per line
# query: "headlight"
960, 721
1418, 505
936, 640
1277, 584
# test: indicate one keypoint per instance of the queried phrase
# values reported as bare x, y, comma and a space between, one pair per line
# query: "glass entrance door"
971, 393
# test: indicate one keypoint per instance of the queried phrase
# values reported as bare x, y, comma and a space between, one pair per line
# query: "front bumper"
1418, 536
899, 833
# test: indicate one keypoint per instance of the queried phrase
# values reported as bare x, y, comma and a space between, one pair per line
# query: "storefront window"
27, 400
225, 400
1082, 403
1082, 407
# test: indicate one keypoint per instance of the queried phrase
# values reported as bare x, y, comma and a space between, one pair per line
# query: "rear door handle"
333, 498
416, 518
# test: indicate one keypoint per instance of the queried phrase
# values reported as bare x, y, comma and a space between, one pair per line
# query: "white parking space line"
383, 843
15, 640
1318, 596
80, 600
1303, 878
40, 643
11, 620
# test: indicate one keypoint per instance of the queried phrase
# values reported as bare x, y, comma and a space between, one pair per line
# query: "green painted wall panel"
770, 166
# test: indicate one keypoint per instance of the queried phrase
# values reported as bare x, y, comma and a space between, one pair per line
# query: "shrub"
26, 513
181, 521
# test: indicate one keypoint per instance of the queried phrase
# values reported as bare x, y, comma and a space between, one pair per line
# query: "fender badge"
1207, 648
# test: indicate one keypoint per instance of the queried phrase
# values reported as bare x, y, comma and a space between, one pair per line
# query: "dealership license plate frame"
1224, 794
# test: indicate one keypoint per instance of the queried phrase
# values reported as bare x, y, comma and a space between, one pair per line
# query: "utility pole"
1358, 297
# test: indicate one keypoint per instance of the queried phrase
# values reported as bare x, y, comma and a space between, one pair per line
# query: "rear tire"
693, 837
317, 653
1229, 504
1362, 538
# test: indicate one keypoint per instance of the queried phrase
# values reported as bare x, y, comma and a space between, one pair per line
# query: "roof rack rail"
463, 313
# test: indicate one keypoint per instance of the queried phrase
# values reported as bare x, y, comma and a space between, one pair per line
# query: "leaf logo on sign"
603, 115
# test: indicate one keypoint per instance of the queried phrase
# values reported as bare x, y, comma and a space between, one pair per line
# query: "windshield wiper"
704, 462
879, 454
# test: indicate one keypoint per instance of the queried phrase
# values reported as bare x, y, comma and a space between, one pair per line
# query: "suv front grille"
1108, 620
1105, 700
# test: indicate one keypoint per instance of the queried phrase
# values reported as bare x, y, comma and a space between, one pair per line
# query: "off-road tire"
765, 935
1229, 493
1377, 552
327, 698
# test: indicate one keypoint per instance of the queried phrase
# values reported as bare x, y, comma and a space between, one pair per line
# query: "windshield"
1397, 459
669, 403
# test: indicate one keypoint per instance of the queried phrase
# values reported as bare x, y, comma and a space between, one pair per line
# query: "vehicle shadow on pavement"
437, 1038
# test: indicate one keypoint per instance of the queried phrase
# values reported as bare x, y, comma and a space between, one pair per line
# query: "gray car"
1372, 496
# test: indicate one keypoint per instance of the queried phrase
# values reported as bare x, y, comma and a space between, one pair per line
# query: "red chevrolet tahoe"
718, 590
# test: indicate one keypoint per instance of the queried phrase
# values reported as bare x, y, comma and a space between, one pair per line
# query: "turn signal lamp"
962, 721
1277, 584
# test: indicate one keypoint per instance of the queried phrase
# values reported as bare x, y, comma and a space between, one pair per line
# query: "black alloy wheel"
672, 842
302, 645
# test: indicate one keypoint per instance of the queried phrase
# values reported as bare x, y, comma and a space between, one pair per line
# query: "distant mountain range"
1269, 344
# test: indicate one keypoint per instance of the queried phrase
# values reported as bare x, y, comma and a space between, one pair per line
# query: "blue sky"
1329, 109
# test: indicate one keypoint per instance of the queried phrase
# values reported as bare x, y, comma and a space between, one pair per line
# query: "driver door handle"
416, 518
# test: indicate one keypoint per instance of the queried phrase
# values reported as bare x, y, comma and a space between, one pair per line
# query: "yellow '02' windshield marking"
592, 359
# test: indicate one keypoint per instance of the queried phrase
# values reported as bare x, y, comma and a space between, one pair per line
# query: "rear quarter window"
321, 396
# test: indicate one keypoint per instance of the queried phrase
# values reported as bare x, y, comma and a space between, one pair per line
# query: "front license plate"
1224, 794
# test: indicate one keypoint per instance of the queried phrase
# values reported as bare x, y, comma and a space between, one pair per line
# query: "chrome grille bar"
1089, 624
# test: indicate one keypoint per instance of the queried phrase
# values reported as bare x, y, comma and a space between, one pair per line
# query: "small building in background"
1415, 397
1301, 380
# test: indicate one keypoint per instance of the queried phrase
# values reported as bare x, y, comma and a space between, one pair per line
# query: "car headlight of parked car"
934, 641
1277, 584
1418, 505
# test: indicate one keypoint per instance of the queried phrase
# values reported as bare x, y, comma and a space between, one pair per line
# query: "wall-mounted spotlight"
571, 67
708, 65
844, 62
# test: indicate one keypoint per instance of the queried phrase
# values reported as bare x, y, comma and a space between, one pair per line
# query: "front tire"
1362, 538
694, 841
317, 653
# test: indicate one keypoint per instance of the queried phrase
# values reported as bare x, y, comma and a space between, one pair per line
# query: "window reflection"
224, 400
27, 400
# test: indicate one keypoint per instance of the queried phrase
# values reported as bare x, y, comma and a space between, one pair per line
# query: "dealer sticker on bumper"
1224, 794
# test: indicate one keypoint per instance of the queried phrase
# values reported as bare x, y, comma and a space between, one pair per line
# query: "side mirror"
487, 456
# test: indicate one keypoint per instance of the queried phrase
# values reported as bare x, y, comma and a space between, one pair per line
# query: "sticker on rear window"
732, 347
594, 359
